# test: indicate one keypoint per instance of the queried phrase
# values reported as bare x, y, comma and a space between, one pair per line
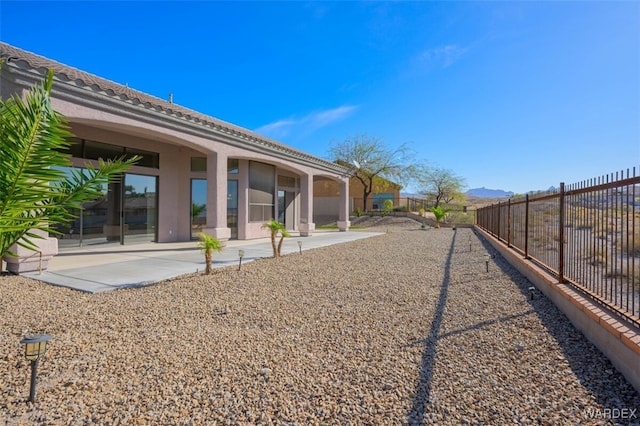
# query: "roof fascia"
158, 116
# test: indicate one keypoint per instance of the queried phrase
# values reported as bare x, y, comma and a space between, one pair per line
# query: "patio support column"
243, 199
217, 196
306, 205
343, 206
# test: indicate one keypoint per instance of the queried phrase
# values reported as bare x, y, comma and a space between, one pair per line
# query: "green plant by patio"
208, 244
439, 214
274, 227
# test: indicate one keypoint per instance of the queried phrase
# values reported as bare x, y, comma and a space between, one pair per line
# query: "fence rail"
399, 203
456, 214
587, 234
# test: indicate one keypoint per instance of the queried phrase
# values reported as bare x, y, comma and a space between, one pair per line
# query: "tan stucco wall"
330, 189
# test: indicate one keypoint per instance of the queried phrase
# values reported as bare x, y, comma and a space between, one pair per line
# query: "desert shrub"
630, 244
387, 207
439, 214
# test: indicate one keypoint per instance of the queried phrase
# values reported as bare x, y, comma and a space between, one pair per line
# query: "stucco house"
197, 172
327, 196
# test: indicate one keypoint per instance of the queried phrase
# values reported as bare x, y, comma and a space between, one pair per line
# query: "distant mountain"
489, 193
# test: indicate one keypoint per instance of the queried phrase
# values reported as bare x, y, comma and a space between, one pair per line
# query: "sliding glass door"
198, 206
126, 211
140, 210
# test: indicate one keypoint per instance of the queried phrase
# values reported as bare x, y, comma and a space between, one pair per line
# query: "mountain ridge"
489, 193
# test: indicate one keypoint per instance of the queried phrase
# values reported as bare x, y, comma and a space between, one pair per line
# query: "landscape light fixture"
487, 256
300, 246
34, 348
240, 255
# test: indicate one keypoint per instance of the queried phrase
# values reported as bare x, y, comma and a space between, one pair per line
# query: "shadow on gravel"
592, 368
423, 388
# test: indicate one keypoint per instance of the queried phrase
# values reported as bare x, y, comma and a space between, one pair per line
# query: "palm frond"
35, 191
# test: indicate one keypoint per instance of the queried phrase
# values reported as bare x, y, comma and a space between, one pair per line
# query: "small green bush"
439, 213
209, 244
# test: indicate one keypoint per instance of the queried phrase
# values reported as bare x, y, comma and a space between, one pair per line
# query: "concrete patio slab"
97, 269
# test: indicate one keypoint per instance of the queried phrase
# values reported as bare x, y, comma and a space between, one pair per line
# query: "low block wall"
28, 260
617, 339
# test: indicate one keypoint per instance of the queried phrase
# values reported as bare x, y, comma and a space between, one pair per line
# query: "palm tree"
208, 244
274, 227
283, 233
35, 192
439, 214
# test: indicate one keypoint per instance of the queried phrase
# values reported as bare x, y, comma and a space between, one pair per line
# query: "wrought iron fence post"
509, 223
498, 220
526, 226
561, 236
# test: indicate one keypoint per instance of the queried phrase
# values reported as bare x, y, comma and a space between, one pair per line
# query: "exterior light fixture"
532, 292
34, 348
300, 246
240, 255
487, 256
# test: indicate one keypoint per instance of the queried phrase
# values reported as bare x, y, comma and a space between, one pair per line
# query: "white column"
217, 196
306, 205
343, 213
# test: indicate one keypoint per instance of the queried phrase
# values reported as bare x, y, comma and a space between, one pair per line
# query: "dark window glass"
75, 147
92, 150
95, 150
232, 166
261, 191
198, 164
149, 159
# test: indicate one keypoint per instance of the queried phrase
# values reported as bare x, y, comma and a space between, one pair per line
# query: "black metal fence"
456, 214
587, 234
399, 204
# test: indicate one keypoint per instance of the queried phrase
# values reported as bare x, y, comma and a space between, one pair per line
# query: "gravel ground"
403, 328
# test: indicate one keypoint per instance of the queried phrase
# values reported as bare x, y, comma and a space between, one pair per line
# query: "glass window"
198, 164
92, 150
88, 225
287, 181
232, 166
95, 150
380, 198
198, 206
75, 147
261, 191
149, 159
140, 207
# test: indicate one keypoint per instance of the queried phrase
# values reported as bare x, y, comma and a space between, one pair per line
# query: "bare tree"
370, 158
439, 185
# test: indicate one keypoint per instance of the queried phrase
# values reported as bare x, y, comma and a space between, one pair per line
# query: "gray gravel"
403, 328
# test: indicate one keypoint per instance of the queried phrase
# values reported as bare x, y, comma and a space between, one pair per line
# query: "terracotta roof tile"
111, 89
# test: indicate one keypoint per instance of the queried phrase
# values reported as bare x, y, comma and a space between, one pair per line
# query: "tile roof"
91, 82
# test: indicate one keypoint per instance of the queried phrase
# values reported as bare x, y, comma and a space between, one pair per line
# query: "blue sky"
512, 95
